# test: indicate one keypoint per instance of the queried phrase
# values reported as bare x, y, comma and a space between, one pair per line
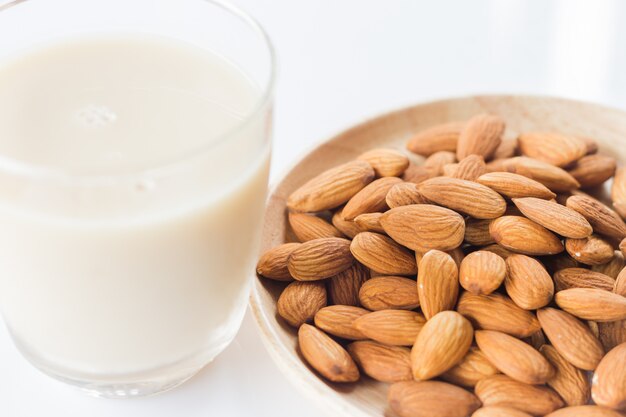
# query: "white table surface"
342, 61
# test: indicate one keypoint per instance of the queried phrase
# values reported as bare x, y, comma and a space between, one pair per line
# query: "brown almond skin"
515, 186
603, 219
472, 368
622, 247
482, 272
612, 333
592, 304
569, 382
553, 148
593, 170
557, 262
507, 149
386, 162
442, 137
437, 283
613, 267
499, 250
592, 250
381, 362
582, 278
369, 222
344, 287
338, 320
441, 344
555, 217
477, 232
527, 282
300, 301
514, 357
430, 399
422, 227
619, 287
501, 390
438, 160
404, 194
481, 135
495, 411
522, 235
585, 411
331, 188
391, 327
453, 193
370, 199
389, 292
326, 356
308, 227
618, 191
320, 259
553, 177
348, 228
381, 254
273, 263
470, 168
418, 173
497, 312
608, 386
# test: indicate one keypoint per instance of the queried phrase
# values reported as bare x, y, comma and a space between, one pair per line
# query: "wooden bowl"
522, 113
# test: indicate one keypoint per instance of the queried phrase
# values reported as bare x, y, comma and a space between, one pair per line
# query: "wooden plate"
522, 113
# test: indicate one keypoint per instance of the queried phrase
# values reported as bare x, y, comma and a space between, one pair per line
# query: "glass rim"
34, 171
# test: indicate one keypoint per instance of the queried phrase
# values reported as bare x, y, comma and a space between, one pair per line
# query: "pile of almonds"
481, 282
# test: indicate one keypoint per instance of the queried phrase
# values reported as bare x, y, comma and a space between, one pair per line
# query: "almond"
273, 263
441, 344
381, 362
449, 169
391, 327
593, 170
613, 267
591, 250
522, 235
553, 148
507, 149
557, 262
555, 178
437, 283
370, 199
472, 368
418, 173
497, 312
331, 188
495, 411
555, 217
300, 301
622, 247
382, 254
369, 222
582, 278
348, 228
503, 391
477, 232
481, 135
514, 357
619, 286
338, 320
443, 137
515, 186
592, 145
431, 399
381, 293
422, 227
326, 356
386, 162
501, 251
618, 191
608, 387
453, 193
584, 411
527, 282
344, 287
404, 194
568, 381
320, 259
481, 272
571, 338
436, 161
603, 220
612, 333
470, 168
592, 304
536, 339
308, 227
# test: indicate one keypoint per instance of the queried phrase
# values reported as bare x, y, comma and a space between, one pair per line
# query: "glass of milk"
134, 154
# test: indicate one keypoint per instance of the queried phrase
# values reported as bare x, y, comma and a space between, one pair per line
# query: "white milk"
129, 207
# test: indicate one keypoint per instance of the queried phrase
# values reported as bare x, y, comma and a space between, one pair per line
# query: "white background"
342, 61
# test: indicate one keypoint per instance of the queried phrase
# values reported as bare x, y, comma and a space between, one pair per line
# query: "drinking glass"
126, 282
